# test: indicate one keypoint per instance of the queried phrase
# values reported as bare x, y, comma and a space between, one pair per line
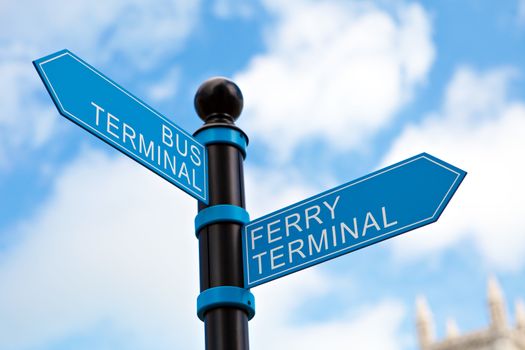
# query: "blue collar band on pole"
226, 296
220, 213
223, 134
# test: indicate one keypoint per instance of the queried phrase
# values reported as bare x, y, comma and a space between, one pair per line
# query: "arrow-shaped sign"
378, 206
96, 103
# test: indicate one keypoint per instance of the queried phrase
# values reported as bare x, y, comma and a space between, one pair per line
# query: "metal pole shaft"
220, 244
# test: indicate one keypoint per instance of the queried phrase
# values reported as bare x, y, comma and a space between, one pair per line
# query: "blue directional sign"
96, 103
378, 206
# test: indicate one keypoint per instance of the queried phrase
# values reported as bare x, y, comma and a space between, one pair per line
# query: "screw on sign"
236, 254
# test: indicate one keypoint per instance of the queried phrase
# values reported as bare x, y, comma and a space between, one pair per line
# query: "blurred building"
499, 335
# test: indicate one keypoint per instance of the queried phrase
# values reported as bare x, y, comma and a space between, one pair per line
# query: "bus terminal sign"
96, 103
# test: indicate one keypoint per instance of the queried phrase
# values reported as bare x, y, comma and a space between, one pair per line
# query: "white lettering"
130, 136
315, 216
334, 236
194, 184
254, 238
272, 231
275, 257
387, 224
167, 135
110, 124
259, 257
295, 250
195, 155
353, 232
332, 207
144, 150
294, 224
177, 137
169, 162
183, 171
97, 113
370, 217
323, 239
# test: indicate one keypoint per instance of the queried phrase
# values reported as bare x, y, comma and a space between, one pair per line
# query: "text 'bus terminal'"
99, 105
171, 154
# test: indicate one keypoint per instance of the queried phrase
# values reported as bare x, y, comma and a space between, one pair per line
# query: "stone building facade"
499, 335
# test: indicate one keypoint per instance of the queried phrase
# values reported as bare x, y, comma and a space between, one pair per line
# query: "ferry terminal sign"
381, 205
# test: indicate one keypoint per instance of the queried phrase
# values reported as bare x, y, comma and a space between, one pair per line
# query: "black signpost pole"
226, 313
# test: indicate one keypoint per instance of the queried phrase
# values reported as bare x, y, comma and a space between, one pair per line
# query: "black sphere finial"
218, 99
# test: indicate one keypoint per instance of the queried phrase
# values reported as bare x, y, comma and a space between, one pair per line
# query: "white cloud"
334, 70
114, 246
269, 189
480, 130
376, 327
136, 30
139, 32
227, 9
25, 121
166, 87
521, 12
370, 327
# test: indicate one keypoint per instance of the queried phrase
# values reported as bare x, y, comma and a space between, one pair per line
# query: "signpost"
235, 254
99, 105
378, 206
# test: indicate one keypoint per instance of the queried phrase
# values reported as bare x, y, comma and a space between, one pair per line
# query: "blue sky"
97, 252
